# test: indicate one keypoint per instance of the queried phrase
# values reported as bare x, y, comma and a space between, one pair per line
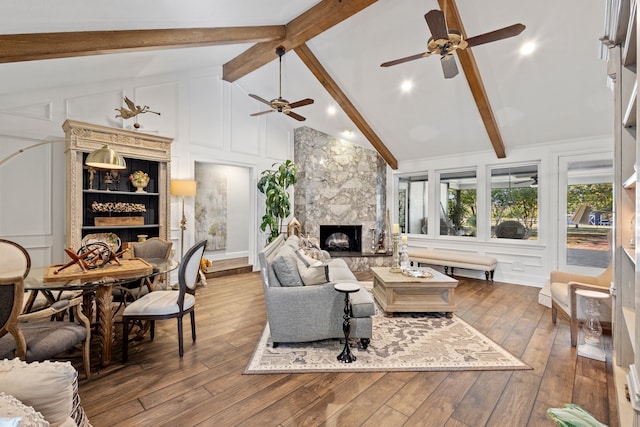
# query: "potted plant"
274, 184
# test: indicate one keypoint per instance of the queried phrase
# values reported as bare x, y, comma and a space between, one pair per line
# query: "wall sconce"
183, 188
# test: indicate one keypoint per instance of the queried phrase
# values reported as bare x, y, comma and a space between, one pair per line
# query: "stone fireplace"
339, 184
341, 239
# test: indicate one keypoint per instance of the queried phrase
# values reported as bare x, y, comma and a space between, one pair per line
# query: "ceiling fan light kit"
280, 104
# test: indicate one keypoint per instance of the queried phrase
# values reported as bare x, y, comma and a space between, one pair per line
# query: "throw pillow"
285, 268
311, 249
50, 387
14, 413
312, 271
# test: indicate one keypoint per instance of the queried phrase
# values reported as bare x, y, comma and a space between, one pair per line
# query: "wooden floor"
207, 388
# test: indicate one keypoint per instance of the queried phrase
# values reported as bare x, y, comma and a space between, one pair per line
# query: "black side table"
346, 356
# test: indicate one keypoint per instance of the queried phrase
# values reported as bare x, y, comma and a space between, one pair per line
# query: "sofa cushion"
285, 267
49, 387
312, 271
362, 304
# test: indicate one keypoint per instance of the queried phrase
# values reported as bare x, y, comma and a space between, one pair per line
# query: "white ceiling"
559, 93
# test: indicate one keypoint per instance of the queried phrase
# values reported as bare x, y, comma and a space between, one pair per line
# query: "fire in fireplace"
341, 238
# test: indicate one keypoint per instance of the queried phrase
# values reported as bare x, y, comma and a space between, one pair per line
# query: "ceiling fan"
444, 41
280, 104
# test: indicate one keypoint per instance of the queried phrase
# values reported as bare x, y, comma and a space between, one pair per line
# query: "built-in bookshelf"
105, 201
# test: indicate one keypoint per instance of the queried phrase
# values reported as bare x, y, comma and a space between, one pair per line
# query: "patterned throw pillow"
311, 249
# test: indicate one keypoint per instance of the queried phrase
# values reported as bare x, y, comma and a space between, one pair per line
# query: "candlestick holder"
395, 260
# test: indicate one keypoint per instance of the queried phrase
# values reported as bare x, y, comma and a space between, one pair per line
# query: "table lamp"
183, 188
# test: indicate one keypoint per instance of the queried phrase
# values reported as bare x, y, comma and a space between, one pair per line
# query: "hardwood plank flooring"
206, 387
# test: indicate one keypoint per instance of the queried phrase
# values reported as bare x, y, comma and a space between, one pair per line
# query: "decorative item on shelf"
183, 188
118, 207
92, 174
133, 110
142, 237
111, 177
140, 180
395, 261
404, 254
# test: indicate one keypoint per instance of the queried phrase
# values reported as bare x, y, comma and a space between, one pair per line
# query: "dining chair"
34, 336
168, 304
154, 248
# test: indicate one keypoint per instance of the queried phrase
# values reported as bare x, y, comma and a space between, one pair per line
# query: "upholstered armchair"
563, 297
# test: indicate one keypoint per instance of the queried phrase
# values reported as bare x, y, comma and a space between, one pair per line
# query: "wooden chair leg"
554, 314
125, 339
180, 347
193, 326
152, 329
574, 332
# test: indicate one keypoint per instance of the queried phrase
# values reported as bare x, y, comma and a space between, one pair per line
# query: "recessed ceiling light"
347, 133
406, 86
331, 110
528, 48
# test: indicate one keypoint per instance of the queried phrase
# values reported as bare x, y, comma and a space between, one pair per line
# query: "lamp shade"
183, 187
106, 158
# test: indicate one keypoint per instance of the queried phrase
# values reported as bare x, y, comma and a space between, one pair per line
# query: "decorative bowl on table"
417, 273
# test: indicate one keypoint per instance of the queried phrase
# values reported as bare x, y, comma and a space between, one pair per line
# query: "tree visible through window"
514, 202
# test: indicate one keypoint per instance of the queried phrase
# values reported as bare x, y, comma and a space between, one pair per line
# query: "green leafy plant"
274, 184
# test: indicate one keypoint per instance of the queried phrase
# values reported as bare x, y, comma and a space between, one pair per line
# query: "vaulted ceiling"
500, 101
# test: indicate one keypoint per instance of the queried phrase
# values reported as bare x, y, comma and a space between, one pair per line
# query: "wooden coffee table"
395, 292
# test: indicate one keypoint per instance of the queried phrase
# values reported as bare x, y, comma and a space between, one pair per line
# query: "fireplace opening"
341, 239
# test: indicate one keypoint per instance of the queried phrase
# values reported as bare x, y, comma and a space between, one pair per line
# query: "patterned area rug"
411, 342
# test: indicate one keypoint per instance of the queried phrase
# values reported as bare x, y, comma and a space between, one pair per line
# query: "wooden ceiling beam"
472, 73
37, 46
301, 29
343, 101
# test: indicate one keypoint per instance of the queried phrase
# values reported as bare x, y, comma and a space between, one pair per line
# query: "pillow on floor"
15, 413
51, 388
312, 271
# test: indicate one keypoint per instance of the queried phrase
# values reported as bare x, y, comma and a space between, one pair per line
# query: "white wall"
519, 261
207, 117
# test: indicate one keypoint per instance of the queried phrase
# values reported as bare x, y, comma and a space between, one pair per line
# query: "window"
458, 203
413, 204
589, 212
514, 202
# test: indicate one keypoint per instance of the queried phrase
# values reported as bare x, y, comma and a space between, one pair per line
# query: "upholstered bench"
450, 259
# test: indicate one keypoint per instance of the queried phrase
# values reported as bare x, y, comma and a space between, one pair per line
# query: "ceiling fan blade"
405, 59
261, 113
502, 33
437, 24
300, 103
449, 66
298, 117
257, 98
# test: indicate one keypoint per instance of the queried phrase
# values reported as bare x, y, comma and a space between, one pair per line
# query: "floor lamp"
183, 188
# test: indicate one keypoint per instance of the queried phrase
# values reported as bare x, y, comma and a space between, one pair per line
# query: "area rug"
419, 342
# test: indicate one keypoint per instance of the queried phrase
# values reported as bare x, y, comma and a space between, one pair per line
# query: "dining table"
96, 285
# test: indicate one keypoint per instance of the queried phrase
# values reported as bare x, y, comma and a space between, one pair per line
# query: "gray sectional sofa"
299, 312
